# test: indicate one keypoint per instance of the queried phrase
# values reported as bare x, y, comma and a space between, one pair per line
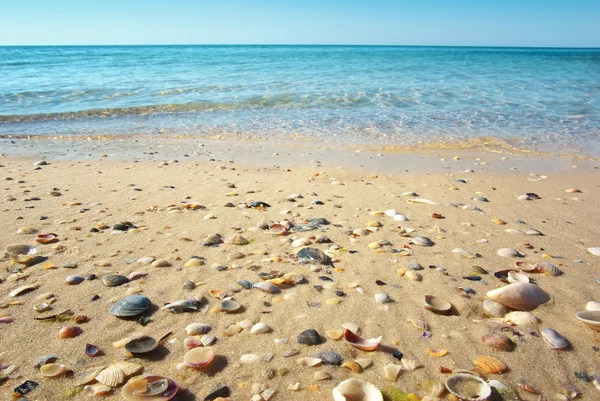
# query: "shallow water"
538, 99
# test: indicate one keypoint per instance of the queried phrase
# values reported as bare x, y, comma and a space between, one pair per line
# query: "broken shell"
199, 358
69, 332
238, 240
92, 350
260, 328
410, 364
267, 287
437, 352
21, 253
489, 364
509, 253
52, 370
23, 289
197, 328
319, 376
130, 306
591, 318
364, 362
413, 275
181, 306
468, 387
229, 306
498, 341
554, 340
88, 375
335, 334
520, 296
352, 365
356, 390
46, 238
495, 308
361, 343
149, 388
391, 371
437, 304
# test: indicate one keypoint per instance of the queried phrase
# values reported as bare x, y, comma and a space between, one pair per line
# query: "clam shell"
197, 329
309, 337
554, 340
247, 284
593, 250
141, 345
391, 212
521, 318
509, 253
437, 304
260, 328
46, 238
192, 342
495, 308
592, 306
27, 230
238, 240
423, 241
419, 324
112, 376
313, 255
199, 358
391, 371
278, 229
74, 280
356, 390
207, 340
69, 332
531, 231
212, 239
114, 280
92, 350
498, 341
149, 388
21, 253
132, 305
52, 370
591, 318
161, 263
306, 361
229, 306
330, 357
267, 287
300, 242
382, 298
519, 296
516, 277
489, 364
547, 268
194, 262
361, 343
400, 217
319, 376
468, 387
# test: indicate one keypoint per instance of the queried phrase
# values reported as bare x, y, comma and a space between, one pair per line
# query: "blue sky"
566, 23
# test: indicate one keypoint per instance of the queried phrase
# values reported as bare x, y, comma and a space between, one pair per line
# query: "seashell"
112, 376
547, 268
260, 328
413, 275
88, 375
247, 284
353, 366
27, 230
132, 305
591, 318
335, 334
114, 280
391, 371
309, 337
197, 329
468, 387
364, 362
229, 306
293, 278
519, 296
21, 253
421, 200
45, 359
74, 280
353, 327
464, 254
356, 390
373, 224
246, 324
498, 221
391, 212
232, 330
46, 238
437, 352
572, 191
382, 298
521, 318
423, 241
267, 287
141, 345
69, 332
189, 285
361, 343
410, 364
300, 242
149, 388
330, 357
146, 260
212, 239
306, 361
249, 358
415, 266
509, 253
592, 306
516, 277
161, 263
419, 324
437, 304
320, 376
194, 262
192, 342
278, 229
135, 275
554, 340
495, 308
593, 250
92, 350
129, 368
52, 370
498, 341
531, 231
207, 340
313, 255
181, 306
489, 364
199, 358
238, 240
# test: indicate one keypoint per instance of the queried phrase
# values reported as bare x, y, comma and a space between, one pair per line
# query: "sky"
542, 23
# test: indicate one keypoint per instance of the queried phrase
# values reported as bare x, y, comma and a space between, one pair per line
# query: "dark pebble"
95, 297
398, 355
379, 282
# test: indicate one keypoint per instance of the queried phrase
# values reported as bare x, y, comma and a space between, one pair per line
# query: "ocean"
538, 99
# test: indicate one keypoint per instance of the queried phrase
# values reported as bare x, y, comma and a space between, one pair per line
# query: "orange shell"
489, 364
437, 352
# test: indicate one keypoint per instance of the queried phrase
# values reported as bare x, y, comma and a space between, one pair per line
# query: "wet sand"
106, 183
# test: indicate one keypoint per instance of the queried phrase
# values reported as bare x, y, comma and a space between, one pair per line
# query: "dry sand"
115, 189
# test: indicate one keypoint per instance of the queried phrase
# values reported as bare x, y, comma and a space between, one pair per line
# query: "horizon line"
297, 44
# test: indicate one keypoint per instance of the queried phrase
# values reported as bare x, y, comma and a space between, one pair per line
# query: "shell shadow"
218, 364
157, 354
185, 395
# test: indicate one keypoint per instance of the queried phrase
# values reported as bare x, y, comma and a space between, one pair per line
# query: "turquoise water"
541, 99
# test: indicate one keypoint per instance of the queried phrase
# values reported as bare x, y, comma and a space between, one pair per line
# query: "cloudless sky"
560, 23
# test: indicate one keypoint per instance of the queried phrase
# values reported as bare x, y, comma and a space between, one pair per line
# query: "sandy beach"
116, 210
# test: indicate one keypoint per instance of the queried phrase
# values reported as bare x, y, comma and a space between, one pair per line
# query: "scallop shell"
509, 253
591, 318
330, 357
46, 238
52, 370
423, 241
320, 376
132, 305
356, 390
361, 343
489, 364
495, 308
547, 268
21, 253
112, 376
229, 306
149, 388
498, 341
114, 280
391, 371
468, 387
554, 340
437, 304
267, 287
197, 329
419, 324
260, 328
207, 340
519, 296
199, 358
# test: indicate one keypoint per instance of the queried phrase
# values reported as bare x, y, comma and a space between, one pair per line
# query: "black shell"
309, 337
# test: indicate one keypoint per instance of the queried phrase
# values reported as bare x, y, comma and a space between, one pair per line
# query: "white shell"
391, 212
519, 296
591, 318
382, 298
301, 242
197, 328
410, 364
509, 253
260, 328
494, 308
595, 250
246, 324
249, 358
400, 217
468, 387
516, 277
592, 306
391, 371
356, 390
521, 318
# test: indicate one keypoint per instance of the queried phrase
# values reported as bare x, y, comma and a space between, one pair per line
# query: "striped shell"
197, 328
547, 268
554, 340
495, 308
498, 341
419, 324
489, 364
353, 366
330, 357
521, 318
